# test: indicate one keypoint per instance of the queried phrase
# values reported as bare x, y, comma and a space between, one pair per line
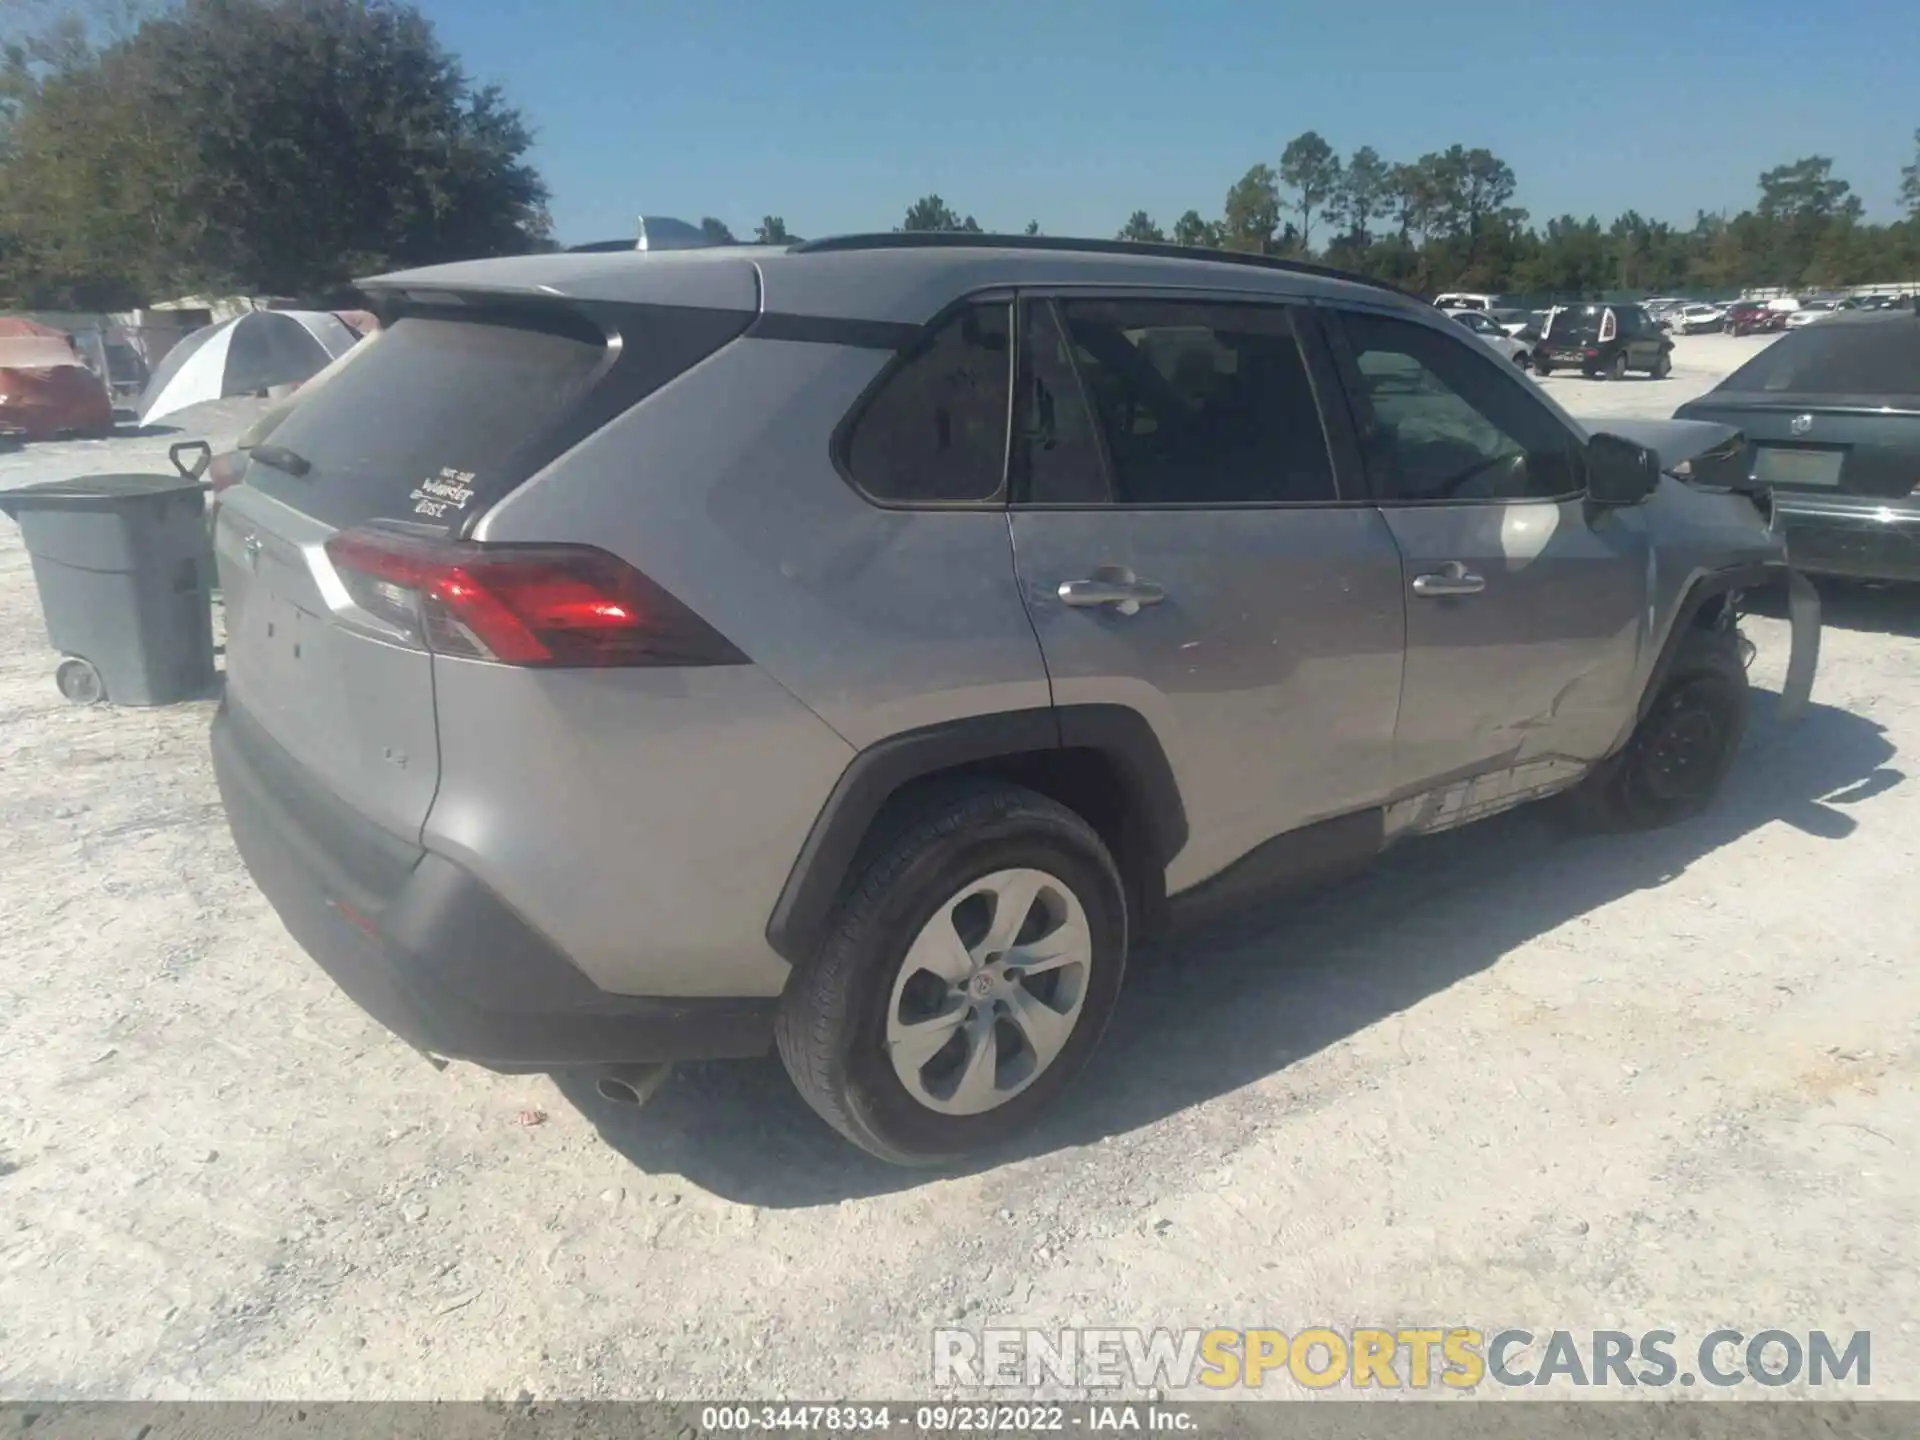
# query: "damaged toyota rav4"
859, 648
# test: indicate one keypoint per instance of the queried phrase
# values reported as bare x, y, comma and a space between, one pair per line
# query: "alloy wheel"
989, 992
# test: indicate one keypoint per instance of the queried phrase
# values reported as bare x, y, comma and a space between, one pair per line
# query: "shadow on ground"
1221, 1010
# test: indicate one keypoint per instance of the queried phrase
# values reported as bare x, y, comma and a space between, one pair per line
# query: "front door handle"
1453, 578
1121, 589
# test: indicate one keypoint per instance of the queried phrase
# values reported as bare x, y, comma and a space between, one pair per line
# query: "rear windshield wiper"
281, 458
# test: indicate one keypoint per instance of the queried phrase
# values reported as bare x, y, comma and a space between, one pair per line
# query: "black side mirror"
196, 468
1620, 472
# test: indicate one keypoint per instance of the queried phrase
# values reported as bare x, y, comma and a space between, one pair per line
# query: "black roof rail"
1067, 244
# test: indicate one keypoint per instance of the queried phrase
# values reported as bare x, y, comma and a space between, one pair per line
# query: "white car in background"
1511, 320
1495, 334
1810, 311
1691, 319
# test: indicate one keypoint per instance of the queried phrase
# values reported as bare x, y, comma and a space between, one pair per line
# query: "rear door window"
1199, 403
442, 413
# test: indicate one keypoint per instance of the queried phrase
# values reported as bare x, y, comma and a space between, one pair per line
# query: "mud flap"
1803, 610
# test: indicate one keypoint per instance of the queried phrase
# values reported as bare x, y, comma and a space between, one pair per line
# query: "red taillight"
1593, 354
545, 605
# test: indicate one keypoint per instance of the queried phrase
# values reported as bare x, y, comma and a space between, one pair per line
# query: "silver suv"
860, 648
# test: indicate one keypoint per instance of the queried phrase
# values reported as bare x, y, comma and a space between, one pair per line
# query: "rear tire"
1542, 369
918, 1030
1663, 367
1672, 766
1617, 367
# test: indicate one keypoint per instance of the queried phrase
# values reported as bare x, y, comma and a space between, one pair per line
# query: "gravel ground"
1509, 1079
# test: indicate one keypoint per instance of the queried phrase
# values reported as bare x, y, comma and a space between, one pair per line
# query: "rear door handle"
1453, 578
1125, 595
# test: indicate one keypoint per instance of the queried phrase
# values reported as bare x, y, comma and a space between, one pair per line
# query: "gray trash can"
125, 569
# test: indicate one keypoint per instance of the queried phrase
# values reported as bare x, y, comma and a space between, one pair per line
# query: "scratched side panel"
1543, 662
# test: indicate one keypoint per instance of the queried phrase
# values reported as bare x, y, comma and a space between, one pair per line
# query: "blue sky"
837, 114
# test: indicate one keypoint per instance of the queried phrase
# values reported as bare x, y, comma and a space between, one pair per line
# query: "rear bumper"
1863, 539
427, 950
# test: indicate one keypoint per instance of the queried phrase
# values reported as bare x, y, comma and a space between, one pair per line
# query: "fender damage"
1711, 533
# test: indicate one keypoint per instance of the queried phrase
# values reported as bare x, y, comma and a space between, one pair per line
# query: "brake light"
556, 606
1593, 354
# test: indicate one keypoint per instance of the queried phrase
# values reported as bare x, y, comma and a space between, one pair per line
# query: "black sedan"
1832, 413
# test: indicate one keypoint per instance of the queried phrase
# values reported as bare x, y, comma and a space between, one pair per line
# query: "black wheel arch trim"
1121, 735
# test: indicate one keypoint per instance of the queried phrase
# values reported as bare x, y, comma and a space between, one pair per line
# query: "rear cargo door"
424, 427
351, 707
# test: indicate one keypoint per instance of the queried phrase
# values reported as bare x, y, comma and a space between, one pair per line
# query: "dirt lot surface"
1510, 1079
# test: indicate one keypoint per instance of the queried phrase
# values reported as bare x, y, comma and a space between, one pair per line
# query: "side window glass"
1200, 404
936, 431
1440, 420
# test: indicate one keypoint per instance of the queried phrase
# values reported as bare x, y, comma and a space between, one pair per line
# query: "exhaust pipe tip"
632, 1085
612, 1087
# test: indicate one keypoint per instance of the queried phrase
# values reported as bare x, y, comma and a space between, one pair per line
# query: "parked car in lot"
1812, 311
1833, 415
1698, 319
1662, 311
1495, 334
1515, 322
858, 648
1465, 300
1603, 340
47, 390
1751, 317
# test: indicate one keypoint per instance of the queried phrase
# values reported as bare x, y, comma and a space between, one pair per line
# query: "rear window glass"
442, 413
1576, 320
411, 429
1837, 357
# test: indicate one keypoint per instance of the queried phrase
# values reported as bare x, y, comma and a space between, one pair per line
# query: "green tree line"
1447, 221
